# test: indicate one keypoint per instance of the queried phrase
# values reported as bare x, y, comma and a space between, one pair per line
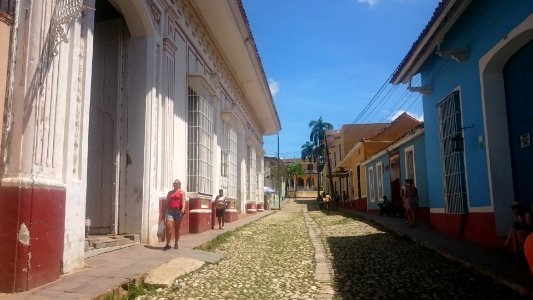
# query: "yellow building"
340, 142
350, 169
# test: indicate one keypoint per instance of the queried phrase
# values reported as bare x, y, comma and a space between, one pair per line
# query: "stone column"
43, 92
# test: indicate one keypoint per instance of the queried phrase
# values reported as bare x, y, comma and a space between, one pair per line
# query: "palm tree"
308, 152
318, 136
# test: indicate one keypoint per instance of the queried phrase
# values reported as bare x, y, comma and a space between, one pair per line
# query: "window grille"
200, 144
371, 184
379, 174
253, 175
232, 161
453, 166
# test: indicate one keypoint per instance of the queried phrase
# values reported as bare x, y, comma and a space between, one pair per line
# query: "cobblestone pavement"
273, 258
370, 263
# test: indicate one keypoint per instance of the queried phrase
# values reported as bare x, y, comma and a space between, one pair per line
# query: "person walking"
220, 206
174, 214
411, 202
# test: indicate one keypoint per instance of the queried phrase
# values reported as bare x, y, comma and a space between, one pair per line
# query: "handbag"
161, 230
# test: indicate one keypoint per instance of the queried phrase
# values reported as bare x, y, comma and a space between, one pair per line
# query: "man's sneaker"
167, 246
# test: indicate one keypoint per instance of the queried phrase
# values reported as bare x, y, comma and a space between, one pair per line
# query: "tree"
294, 170
318, 137
308, 153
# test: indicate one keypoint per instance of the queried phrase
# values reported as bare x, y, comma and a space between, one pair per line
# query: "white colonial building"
107, 102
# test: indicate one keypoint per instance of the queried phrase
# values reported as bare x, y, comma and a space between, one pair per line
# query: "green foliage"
295, 169
318, 131
308, 152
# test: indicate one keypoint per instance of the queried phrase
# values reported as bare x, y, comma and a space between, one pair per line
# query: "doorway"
105, 161
395, 182
518, 81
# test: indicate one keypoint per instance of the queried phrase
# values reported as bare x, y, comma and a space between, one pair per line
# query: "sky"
332, 58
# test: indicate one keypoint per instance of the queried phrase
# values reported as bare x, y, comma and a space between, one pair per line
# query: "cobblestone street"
273, 258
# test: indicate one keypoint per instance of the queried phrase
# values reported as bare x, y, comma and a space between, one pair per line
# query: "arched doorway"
518, 80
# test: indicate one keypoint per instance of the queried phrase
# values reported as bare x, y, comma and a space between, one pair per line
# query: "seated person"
384, 206
519, 230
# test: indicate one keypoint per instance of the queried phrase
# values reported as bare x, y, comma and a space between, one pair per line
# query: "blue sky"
330, 59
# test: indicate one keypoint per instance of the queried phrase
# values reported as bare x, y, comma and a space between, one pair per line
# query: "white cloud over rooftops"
274, 86
419, 117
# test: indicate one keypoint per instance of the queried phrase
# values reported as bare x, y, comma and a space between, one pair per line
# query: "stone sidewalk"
500, 266
107, 272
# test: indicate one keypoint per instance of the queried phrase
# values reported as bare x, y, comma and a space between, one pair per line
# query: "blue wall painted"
420, 171
482, 25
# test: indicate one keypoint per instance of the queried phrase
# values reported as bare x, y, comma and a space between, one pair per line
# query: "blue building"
473, 64
387, 170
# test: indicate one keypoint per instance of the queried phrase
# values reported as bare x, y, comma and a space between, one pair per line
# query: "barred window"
200, 144
232, 161
452, 159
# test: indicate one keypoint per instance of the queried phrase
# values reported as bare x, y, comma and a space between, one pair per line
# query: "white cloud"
370, 3
274, 87
419, 117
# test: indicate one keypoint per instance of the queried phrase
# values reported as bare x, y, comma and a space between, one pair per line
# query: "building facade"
107, 102
388, 169
474, 60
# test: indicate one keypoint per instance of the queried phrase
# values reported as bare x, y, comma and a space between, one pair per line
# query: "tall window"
371, 184
200, 144
410, 163
253, 175
224, 155
232, 162
379, 175
452, 159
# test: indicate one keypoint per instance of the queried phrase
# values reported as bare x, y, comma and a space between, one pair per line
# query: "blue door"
518, 76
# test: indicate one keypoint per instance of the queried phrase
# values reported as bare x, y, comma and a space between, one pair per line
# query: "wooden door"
103, 152
518, 76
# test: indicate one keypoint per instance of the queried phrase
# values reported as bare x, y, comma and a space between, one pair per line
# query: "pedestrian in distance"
220, 208
326, 198
403, 195
174, 213
337, 199
411, 202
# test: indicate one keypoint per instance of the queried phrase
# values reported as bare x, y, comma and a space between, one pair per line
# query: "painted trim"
437, 210
379, 166
33, 182
200, 211
371, 184
499, 169
418, 132
483, 209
